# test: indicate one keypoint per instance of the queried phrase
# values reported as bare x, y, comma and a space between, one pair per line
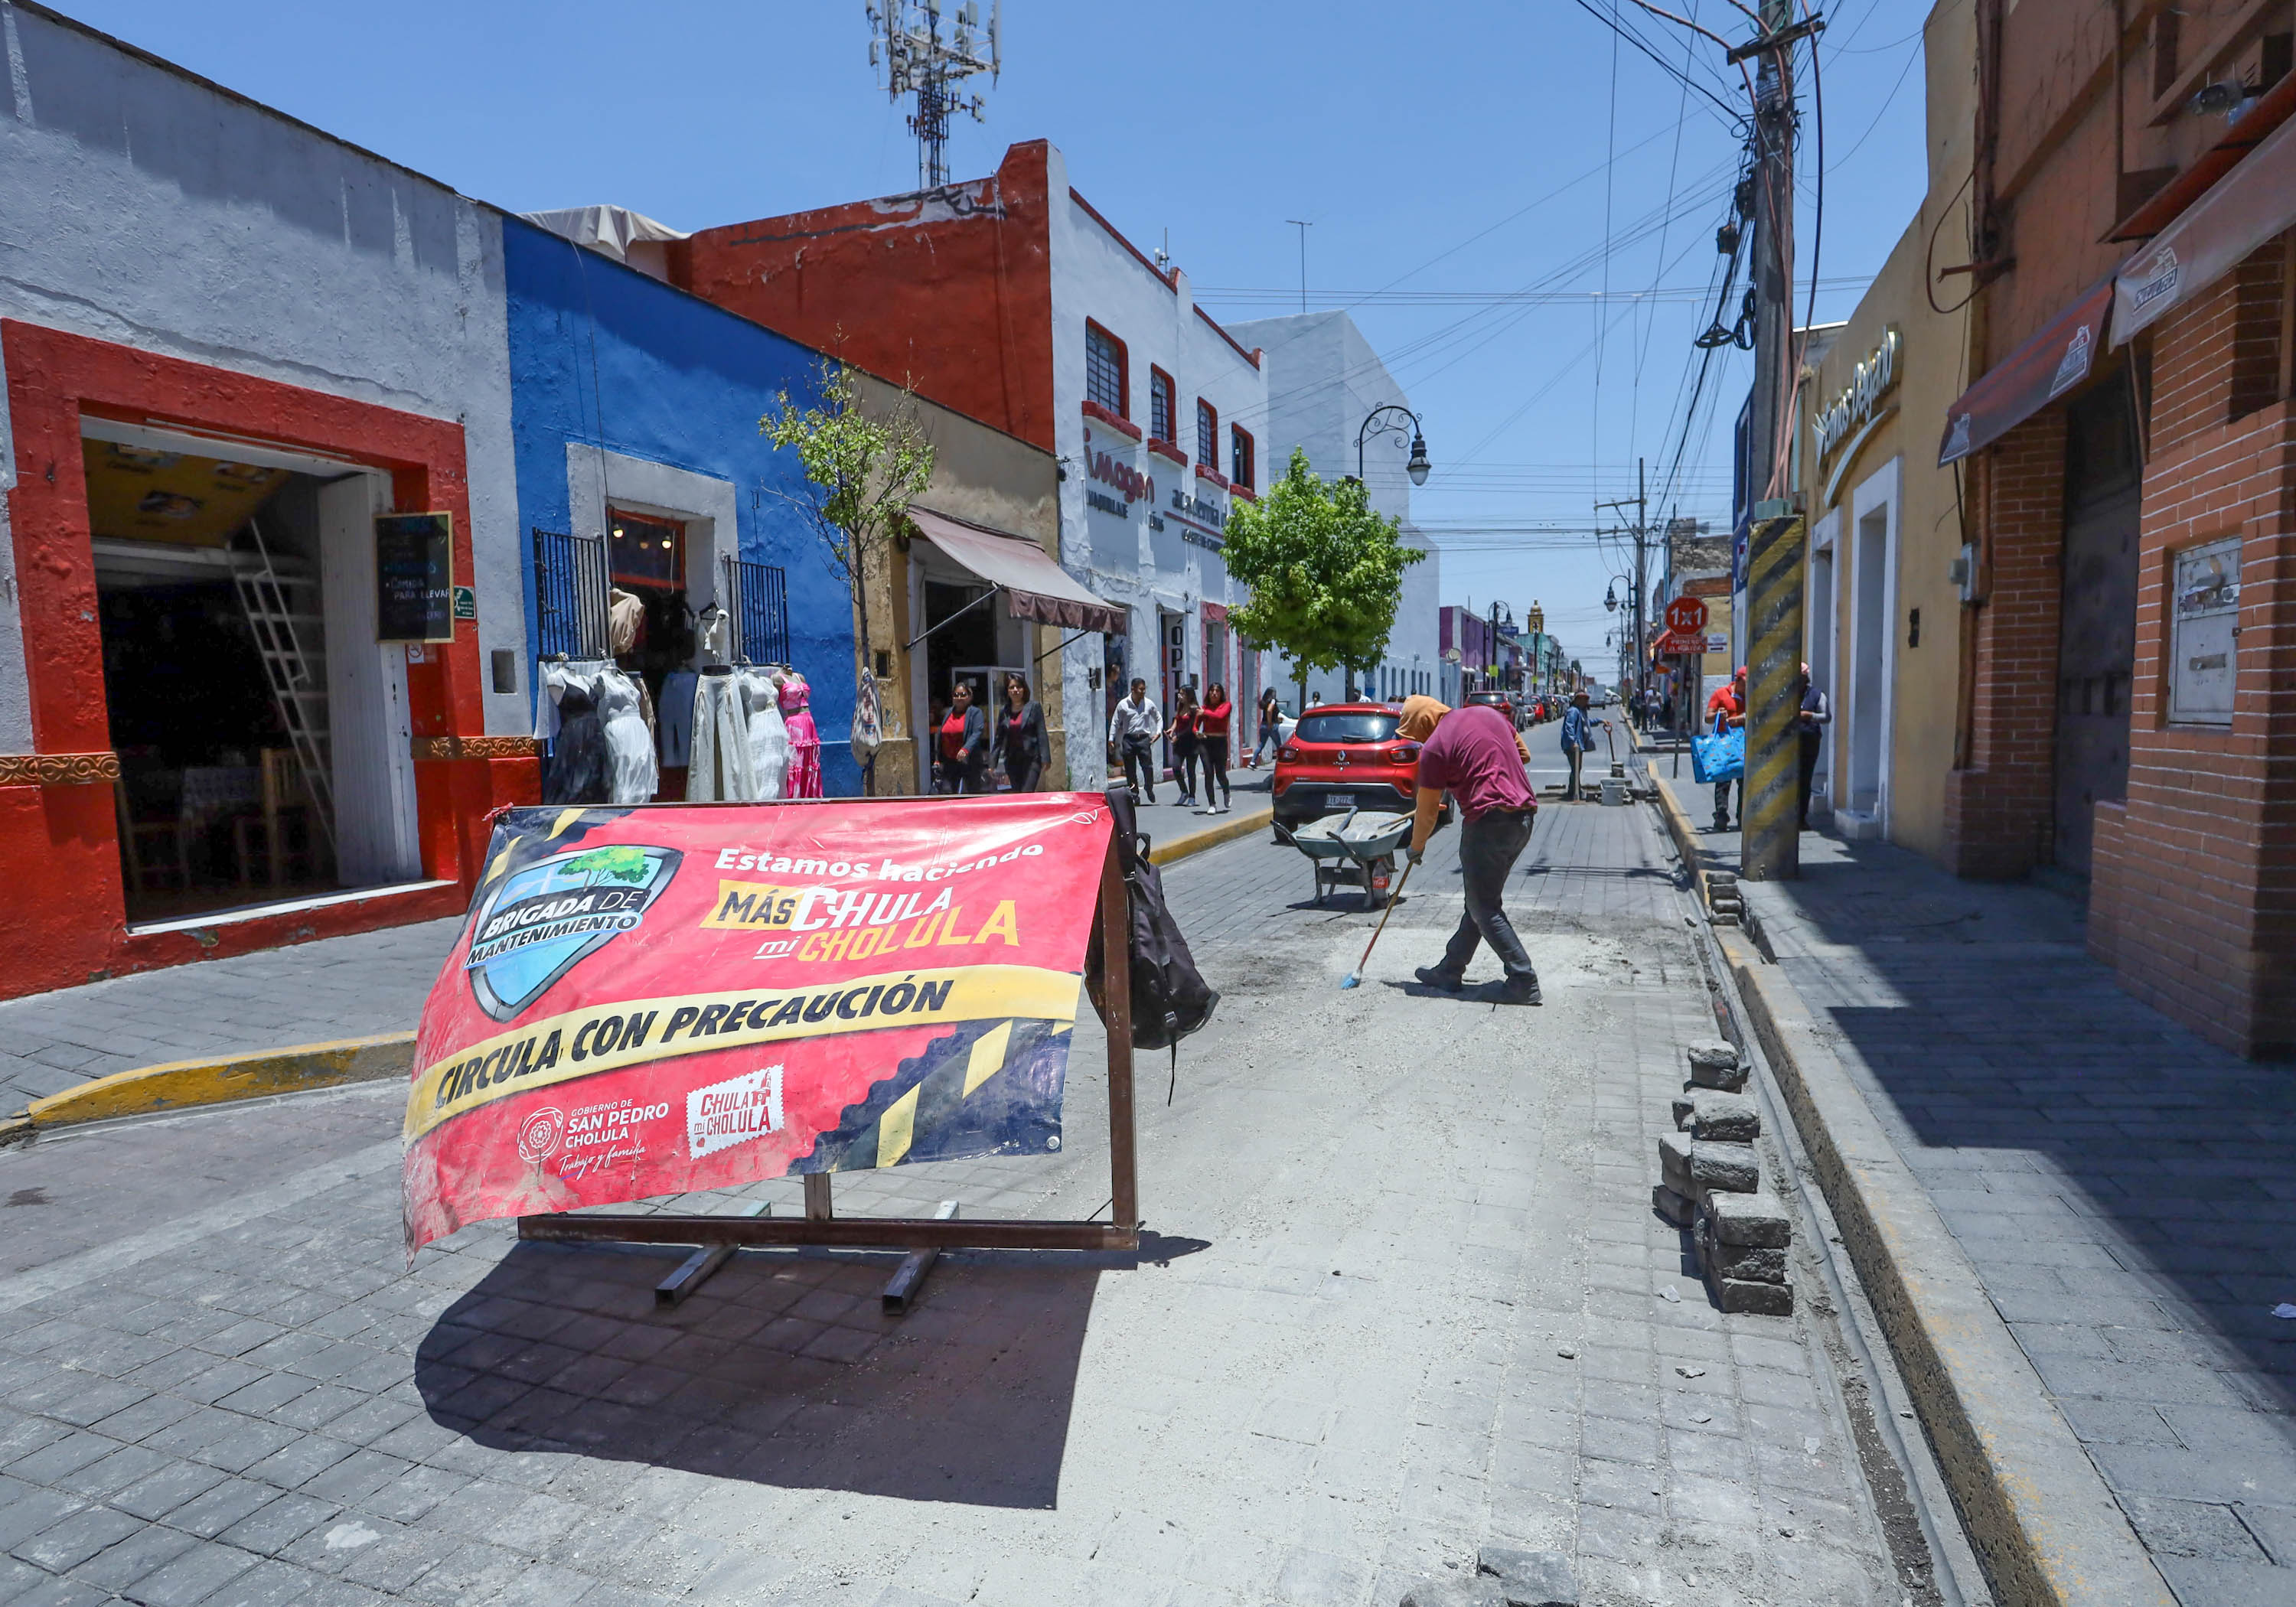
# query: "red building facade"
2129, 713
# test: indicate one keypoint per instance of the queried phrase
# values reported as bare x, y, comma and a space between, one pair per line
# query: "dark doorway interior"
969, 640
2096, 645
213, 806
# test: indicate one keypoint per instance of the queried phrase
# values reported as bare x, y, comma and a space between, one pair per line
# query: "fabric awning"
2246, 208
2029, 379
1034, 588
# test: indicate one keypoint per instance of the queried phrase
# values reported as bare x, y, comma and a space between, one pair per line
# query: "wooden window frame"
1207, 452
1244, 458
1160, 388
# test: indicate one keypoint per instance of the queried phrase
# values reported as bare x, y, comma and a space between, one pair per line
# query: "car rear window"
1345, 728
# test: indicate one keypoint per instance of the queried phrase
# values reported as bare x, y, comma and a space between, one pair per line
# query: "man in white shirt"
1133, 730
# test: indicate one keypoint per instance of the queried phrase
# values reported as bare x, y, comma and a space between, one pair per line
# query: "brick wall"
1999, 808
2194, 898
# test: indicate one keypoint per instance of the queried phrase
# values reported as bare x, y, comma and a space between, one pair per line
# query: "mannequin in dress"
633, 774
769, 740
805, 742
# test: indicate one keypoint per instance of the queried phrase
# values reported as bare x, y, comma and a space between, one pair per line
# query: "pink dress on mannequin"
805, 743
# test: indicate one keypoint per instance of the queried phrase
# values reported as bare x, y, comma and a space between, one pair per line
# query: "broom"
1353, 979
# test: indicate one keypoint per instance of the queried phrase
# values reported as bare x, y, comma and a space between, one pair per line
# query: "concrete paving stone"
2193, 1529
62, 1593
69, 1541
26, 1510
53, 1463
118, 1565
213, 1511
1760, 1351
2200, 1582
278, 1524
2273, 1526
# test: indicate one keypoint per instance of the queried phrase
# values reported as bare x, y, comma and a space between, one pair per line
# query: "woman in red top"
963, 744
1211, 747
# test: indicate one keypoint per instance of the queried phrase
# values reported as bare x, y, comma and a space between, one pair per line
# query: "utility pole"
1641, 505
1768, 807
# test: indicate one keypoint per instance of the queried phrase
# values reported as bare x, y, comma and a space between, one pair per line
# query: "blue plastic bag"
1719, 756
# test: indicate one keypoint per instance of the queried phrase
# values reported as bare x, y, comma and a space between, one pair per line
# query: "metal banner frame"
718, 1235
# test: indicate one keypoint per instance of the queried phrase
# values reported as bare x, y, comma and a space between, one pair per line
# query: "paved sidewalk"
304, 994
2123, 1188
1407, 1298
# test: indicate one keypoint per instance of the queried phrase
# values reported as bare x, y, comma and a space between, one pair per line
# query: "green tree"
1325, 571
864, 471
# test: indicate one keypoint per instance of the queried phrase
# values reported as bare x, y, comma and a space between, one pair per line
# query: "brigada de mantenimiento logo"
547, 916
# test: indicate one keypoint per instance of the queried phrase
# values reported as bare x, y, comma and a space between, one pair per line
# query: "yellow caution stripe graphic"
629, 1032
983, 1089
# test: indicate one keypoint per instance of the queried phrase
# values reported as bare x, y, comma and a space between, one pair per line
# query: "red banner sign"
655, 1001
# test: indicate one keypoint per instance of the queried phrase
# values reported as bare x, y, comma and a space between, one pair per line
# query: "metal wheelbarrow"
1357, 850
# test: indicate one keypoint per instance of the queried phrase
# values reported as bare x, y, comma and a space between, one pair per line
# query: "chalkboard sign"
414, 577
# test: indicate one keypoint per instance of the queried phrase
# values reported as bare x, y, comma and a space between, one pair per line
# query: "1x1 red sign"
1686, 615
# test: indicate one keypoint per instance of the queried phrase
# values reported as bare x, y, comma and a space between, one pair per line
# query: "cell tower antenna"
905, 40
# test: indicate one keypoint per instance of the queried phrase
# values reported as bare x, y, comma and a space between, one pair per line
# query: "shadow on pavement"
781, 1369
1990, 1028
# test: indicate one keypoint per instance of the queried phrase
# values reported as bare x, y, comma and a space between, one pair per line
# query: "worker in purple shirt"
1475, 755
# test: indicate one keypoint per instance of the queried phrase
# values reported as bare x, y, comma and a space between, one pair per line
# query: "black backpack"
1170, 998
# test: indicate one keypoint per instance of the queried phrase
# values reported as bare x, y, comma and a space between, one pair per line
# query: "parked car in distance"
1501, 702
1342, 757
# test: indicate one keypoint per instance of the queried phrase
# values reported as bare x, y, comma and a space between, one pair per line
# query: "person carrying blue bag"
1721, 757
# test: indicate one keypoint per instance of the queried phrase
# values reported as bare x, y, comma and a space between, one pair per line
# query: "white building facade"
1158, 418
1324, 381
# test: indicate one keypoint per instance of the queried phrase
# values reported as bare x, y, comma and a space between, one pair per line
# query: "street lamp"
1417, 466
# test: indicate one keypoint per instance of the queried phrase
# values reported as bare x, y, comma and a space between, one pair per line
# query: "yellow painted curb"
1211, 837
179, 1085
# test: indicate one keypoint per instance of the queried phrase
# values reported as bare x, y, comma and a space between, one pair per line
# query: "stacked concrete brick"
1710, 1182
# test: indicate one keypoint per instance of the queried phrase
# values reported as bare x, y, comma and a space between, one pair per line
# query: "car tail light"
1408, 754
1290, 756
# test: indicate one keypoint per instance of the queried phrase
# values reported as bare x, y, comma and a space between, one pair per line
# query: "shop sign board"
466, 602
668, 999
1686, 615
414, 577
2205, 648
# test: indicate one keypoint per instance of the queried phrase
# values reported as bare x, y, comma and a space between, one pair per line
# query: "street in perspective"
766, 844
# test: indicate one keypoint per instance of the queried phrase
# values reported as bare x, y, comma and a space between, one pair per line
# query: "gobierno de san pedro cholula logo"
548, 916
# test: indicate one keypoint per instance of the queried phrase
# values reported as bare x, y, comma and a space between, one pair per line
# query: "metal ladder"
298, 682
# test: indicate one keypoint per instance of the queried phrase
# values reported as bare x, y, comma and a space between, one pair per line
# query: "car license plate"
1340, 801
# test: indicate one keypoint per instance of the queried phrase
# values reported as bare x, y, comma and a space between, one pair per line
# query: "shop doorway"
1872, 605
1820, 647
2096, 641
646, 559
252, 709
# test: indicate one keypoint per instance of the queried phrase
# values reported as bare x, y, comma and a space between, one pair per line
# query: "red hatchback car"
1342, 757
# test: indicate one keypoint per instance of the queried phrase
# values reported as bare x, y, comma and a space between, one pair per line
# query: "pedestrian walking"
1021, 744
1725, 710
1578, 735
1211, 747
1132, 732
964, 763
1475, 755
1814, 716
1271, 728
1182, 734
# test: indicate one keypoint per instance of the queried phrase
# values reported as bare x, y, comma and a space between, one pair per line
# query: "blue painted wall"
601, 355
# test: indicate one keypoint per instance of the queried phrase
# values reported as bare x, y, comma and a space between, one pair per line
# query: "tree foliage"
1325, 571
863, 472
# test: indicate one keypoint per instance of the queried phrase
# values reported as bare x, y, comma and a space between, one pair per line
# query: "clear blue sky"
1454, 151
